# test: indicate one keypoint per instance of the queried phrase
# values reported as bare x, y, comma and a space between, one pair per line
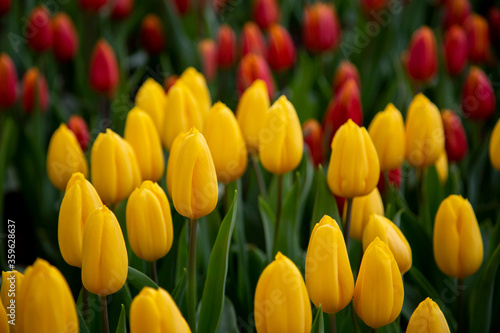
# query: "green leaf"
324, 202
139, 280
212, 300
268, 223
122, 321
318, 324
81, 322
180, 288
228, 321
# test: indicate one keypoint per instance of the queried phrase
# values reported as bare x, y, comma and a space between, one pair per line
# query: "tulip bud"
104, 255
329, 277
280, 140
458, 246
155, 310
122, 9
387, 131
265, 13
64, 157
456, 11
383, 228
151, 98
184, 112
104, 74
169, 81
226, 46
253, 67
196, 82
320, 27
394, 177
4, 325
478, 97
80, 200
226, 143
4, 6
424, 132
478, 38
194, 185
65, 37
11, 280
152, 35
38, 31
313, 138
8, 81
172, 158
494, 24
208, 53
281, 50
378, 293
149, 222
346, 105
34, 89
422, 55
345, 71
362, 208
252, 40
182, 6
494, 148
442, 167
370, 6
354, 167
455, 137
427, 317
141, 133
114, 168
44, 302
92, 6
455, 49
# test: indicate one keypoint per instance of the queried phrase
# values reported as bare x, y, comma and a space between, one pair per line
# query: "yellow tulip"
252, 113
44, 302
281, 301
442, 167
362, 208
329, 277
4, 325
378, 293
424, 132
141, 133
226, 143
154, 311
280, 141
383, 228
105, 261
172, 157
427, 318
194, 186
114, 167
149, 222
387, 131
198, 86
79, 201
458, 246
151, 98
182, 113
495, 146
64, 157
354, 167
11, 282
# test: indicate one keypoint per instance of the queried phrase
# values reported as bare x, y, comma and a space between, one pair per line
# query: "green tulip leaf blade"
324, 201
81, 322
268, 223
228, 322
318, 324
122, 321
139, 280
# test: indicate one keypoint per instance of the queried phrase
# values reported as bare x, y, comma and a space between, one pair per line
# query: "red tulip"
226, 46
208, 53
169, 82
313, 138
281, 50
251, 68
422, 55
104, 75
92, 5
182, 6
8, 81
455, 49
394, 177
455, 138
456, 11
34, 89
122, 9
320, 27
265, 13
4, 6
373, 5
65, 37
344, 72
152, 35
478, 38
38, 31
478, 98
340, 201
494, 23
79, 127
252, 40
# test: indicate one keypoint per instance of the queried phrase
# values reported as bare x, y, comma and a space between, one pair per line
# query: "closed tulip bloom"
313, 138
265, 12
253, 67
478, 97
92, 5
422, 55
152, 35
281, 50
252, 113
394, 177
80, 200
196, 82
78, 126
38, 30
44, 302
281, 301
494, 24
208, 53
226, 143
141, 133
345, 71
4, 325
424, 132
478, 38
103, 73
226, 46
458, 246
182, 5
354, 166
151, 98
4, 6
64, 157
427, 318
370, 6
455, 49
280, 141
329, 277
8, 82
362, 208
383, 228
114, 168
194, 186
456, 12
172, 158
442, 167
455, 137
65, 37
122, 9
149, 222
387, 131
494, 148
320, 27
378, 293
34, 89
11, 280
252, 40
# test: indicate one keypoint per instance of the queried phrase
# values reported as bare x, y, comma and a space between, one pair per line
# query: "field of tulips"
220, 166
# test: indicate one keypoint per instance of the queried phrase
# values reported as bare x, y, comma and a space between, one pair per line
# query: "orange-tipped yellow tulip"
442, 167
151, 98
172, 157
198, 86
427, 318
495, 146
362, 209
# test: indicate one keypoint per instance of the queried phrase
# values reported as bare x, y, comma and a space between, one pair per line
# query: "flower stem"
278, 213
347, 230
333, 323
460, 310
153, 271
374, 330
258, 173
85, 303
192, 277
104, 315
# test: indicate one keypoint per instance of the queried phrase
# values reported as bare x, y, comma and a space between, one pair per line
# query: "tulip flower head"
455, 137
493, 22
427, 317
422, 55
442, 167
478, 96
281, 50
151, 98
79, 127
182, 5
362, 208
494, 147
103, 74
253, 67
4, 6
370, 6
208, 53
345, 71
196, 82
455, 49
4, 324
265, 12
8, 81
226, 46
92, 6
313, 138
122, 9
38, 29
172, 158
11, 280
456, 12
252, 40
152, 35
320, 27
34, 89
478, 38
65, 37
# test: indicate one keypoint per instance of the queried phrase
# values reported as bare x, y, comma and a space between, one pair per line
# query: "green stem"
258, 172
278, 213
104, 315
354, 318
333, 323
374, 330
347, 230
192, 277
153, 271
460, 310
85, 302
